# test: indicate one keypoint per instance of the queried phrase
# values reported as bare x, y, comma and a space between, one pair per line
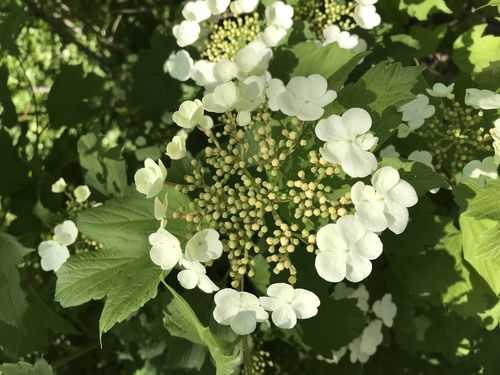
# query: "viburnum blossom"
66, 233
204, 246
197, 11
482, 170
303, 97
179, 65
186, 33
417, 111
365, 14
218, 6
150, 179
349, 142
482, 99
253, 59
81, 193
203, 73
244, 6
166, 251
59, 186
176, 148
344, 39
239, 310
384, 204
385, 309
53, 255
346, 249
194, 275
288, 304
440, 90
190, 114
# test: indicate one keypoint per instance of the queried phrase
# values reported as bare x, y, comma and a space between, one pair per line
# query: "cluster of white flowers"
242, 311
365, 14
205, 246
344, 39
382, 313
54, 253
252, 59
488, 167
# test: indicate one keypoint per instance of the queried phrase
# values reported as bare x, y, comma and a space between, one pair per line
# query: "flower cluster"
54, 253
235, 46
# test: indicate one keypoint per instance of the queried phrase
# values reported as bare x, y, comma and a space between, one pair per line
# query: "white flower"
385, 204
150, 179
190, 114
218, 6
206, 123
240, 310
389, 152
195, 275
223, 99
344, 39
81, 193
59, 186
482, 170
251, 93
424, 157
366, 16
204, 246
305, 97
440, 90
275, 87
197, 11
386, 310
186, 33
176, 148
253, 59
179, 65
361, 295
372, 337
345, 250
482, 99
288, 304
367, 2
66, 233
244, 6
416, 111
273, 35
225, 70
203, 73
165, 250
160, 208
366, 345
53, 255
348, 141
279, 14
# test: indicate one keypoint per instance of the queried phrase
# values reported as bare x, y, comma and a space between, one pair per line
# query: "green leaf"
181, 321
385, 85
106, 171
41, 367
122, 273
11, 25
12, 297
480, 225
475, 52
337, 324
422, 9
70, 99
325, 60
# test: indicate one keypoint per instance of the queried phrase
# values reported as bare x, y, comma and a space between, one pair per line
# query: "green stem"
247, 356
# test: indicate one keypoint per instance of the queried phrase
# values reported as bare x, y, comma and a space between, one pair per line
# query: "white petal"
357, 120
331, 266
270, 303
397, 217
66, 233
227, 297
281, 291
223, 314
188, 279
385, 179
330, 237
358, 268
305, 303
372, 216
404, 194
331, 129
207, 285
284, 317
53, 255
370, 246
244, 323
